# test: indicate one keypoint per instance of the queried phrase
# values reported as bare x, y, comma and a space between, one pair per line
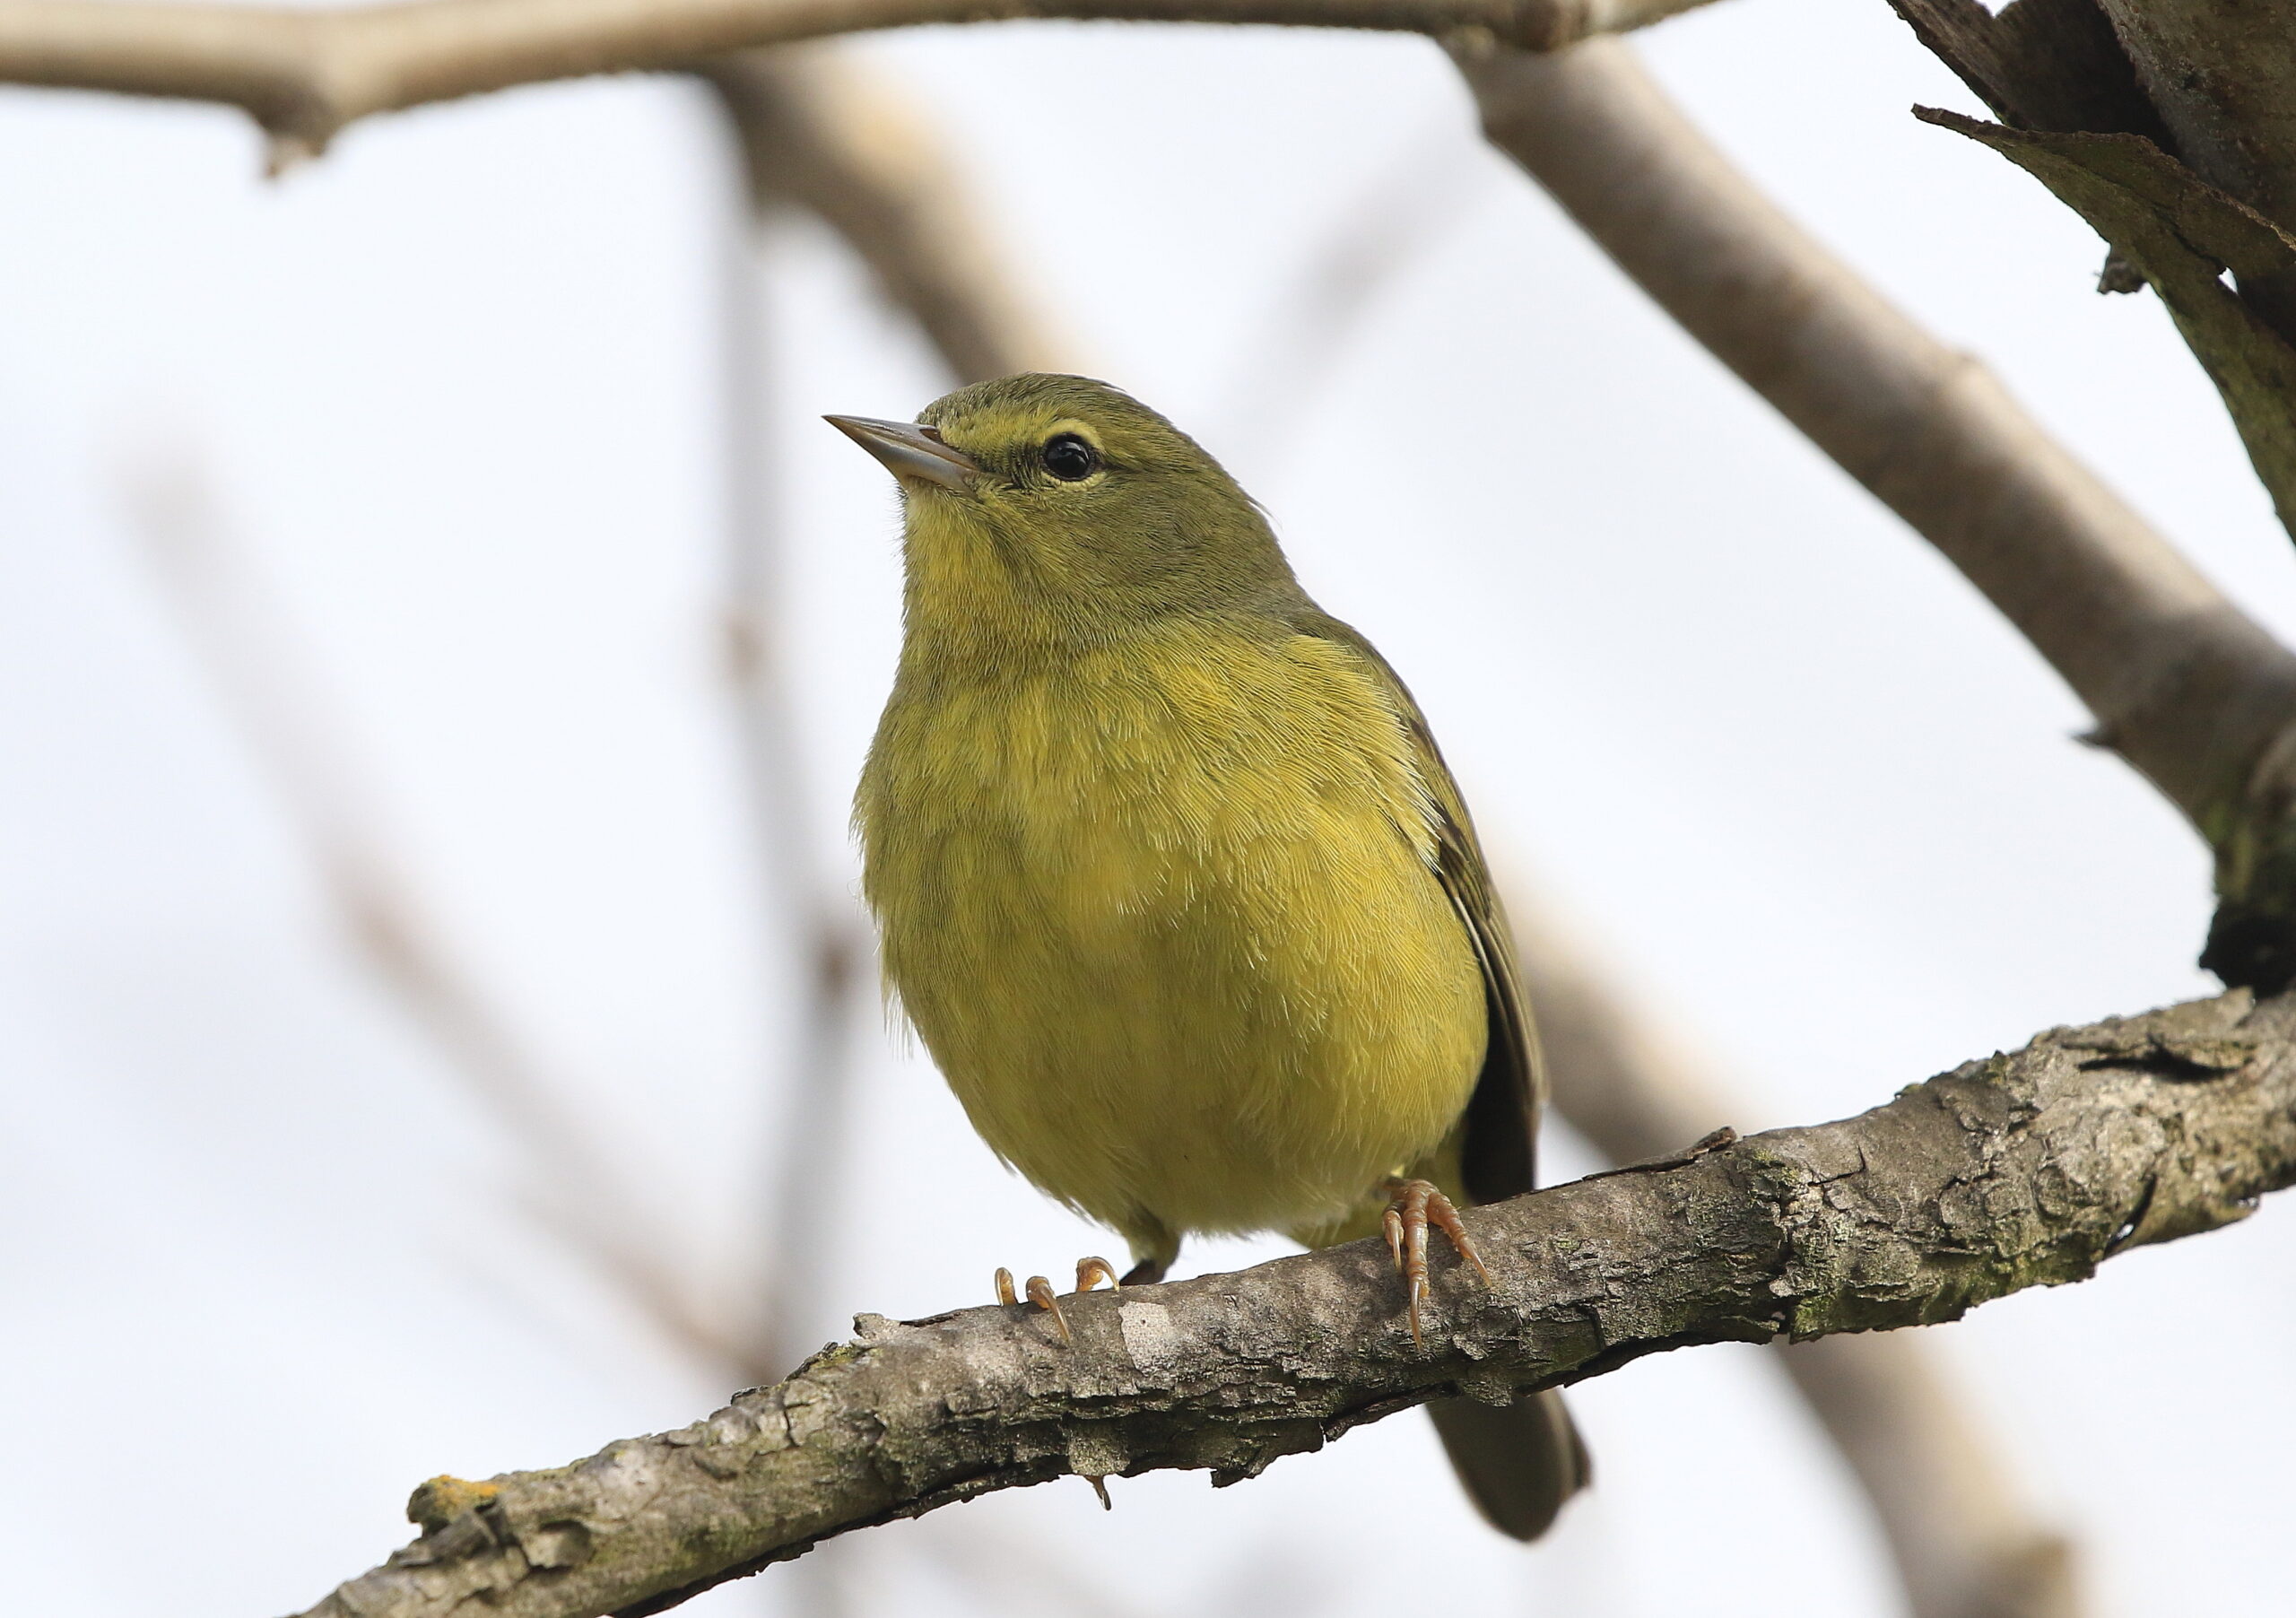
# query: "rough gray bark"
2184, 685
1966, 1541
304, 73
2025, 1169
2223, 76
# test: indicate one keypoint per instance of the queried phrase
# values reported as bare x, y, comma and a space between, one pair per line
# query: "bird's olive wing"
1498, 1153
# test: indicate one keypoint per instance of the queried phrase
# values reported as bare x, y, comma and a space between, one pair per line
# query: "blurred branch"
1389, 226
1965, 1542
269, 690
821, 133
2182, 235
2102, 111
809, 1163
304, 73
2171, 127
2024, 1170
2185, 686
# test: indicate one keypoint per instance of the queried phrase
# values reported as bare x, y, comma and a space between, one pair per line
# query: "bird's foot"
1090, 1274
1413, 1204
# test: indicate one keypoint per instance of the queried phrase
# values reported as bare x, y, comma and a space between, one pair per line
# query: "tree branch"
2183, 684
2105, 134
818, 133
303, 74
1965, 1540
2223, 76
2169, 127
296, 740
2020, 1170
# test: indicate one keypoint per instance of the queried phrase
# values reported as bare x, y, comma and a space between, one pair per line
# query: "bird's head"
1051, 507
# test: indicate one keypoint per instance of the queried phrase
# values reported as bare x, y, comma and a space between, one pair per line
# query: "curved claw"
1414, 1206
1090, 1274
1040, 1293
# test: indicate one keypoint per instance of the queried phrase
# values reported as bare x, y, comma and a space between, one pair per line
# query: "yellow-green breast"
1163, 909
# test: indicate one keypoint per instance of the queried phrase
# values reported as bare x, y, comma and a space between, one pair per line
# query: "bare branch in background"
269, 690
2021, 1171
2105, 134
2184, 685
1965, 1542
2171, 127
808, 1159
821, 133
2182, 682
1385, 230
304, 73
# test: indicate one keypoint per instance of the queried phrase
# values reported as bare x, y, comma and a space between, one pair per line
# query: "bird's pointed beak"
910, 451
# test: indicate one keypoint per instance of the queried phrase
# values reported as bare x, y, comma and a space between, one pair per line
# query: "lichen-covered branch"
2184, 685
304, 73
2025, 1169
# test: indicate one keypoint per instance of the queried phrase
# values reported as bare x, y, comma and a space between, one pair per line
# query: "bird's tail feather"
1519, 1462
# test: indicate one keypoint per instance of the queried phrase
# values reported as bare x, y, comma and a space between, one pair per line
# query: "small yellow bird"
1171, 879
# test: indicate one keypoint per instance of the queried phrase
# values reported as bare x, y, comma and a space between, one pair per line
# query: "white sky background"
456, 390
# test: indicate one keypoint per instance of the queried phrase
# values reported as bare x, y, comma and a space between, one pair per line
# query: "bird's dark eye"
1070, 458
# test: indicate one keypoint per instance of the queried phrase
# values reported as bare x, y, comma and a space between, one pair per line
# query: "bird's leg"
1155, 1248
1413, 1204
1090, 1273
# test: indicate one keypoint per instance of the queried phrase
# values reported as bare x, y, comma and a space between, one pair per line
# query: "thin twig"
1387, 228
305, 74
2021, 1170
809, 1167
271, 692
2184, 685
